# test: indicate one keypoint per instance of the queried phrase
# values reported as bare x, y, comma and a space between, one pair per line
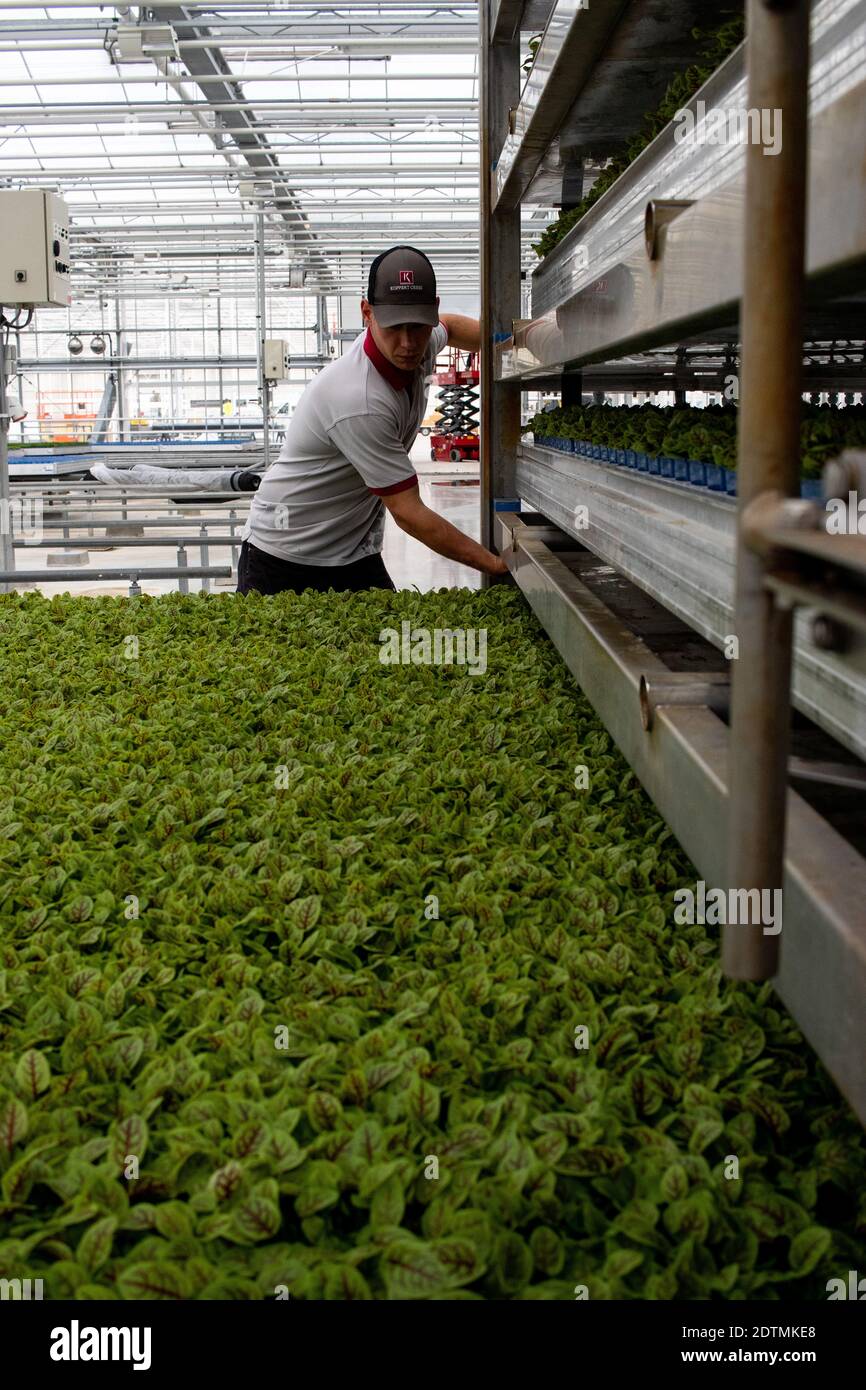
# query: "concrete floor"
445, 487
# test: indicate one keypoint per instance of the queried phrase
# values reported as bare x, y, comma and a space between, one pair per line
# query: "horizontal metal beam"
683, 763
296, 115
125, 542
132, 151
84, 237
210, 7
306, 77
86, 214
341, 40
147, 364
301, 174
78, 520
53, 576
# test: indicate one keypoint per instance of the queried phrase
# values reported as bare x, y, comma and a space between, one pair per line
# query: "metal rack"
47, 516
694, 250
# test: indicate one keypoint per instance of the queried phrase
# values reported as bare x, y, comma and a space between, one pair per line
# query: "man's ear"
366, 312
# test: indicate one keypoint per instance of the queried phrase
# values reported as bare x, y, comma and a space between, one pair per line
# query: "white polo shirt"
345, 449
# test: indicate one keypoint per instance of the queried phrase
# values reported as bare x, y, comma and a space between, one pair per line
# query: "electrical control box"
34, 249
276, 360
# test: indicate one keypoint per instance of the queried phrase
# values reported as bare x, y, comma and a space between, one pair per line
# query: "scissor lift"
456, 436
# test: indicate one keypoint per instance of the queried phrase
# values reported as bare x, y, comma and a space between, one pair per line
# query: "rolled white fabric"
205, 479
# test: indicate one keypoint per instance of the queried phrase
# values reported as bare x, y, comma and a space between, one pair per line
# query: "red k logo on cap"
407, 277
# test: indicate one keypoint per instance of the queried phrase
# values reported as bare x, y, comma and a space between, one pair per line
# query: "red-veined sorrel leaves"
32, 1074
94, 1246
256, 1219
242, 1047
413, 1270
153, 1279
13, 1123
808, 1247
128, 1139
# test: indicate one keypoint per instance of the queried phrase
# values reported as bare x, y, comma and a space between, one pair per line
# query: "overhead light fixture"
97, 344
75, 345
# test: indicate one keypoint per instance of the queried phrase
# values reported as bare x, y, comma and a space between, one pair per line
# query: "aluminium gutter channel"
677, 542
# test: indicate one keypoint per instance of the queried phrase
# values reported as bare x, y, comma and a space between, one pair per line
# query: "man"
317, 519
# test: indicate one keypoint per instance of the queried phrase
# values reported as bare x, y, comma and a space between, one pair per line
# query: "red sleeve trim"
395, 487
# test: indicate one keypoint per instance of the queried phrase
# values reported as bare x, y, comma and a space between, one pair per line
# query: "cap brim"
388, 315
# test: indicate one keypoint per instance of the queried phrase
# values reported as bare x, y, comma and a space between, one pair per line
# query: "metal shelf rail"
700, 244
133, 573
679, 544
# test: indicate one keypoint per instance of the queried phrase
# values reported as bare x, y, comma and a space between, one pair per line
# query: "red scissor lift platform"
456, 436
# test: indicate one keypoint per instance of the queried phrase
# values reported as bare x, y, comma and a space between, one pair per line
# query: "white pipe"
400, 43
317, 170
409, 205
438, 77
262, 5
87, 236
312, 174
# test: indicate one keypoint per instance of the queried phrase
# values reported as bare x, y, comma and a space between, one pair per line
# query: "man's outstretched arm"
416, 519
463, 333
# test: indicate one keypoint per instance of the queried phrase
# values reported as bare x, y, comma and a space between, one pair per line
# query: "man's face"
404, 345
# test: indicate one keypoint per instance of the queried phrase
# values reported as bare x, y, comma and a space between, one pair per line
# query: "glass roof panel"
335, 111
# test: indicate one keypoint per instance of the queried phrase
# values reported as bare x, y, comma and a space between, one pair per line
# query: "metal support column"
121, 393
172, 347
205, 557
219, 333
262, 333
7, 552
769, 460
500, 272
321, 325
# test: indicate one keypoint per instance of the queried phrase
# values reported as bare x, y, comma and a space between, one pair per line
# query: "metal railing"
131, 572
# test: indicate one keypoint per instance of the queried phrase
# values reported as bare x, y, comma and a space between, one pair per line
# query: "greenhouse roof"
169, 129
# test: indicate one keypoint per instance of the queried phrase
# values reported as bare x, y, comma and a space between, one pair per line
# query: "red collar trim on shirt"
400, 380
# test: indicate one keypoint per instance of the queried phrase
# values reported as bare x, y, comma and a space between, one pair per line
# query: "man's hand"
417, 520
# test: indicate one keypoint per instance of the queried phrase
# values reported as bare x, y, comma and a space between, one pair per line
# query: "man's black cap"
402, 288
